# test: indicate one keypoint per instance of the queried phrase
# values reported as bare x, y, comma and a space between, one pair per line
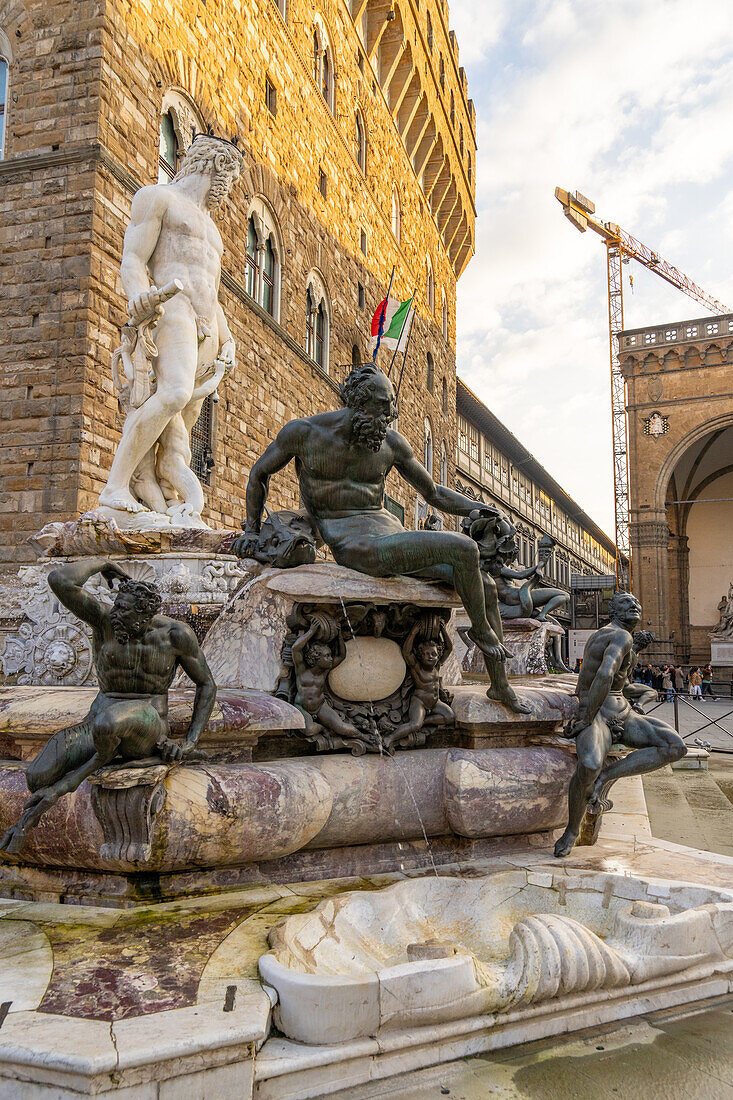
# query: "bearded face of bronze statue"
374, 407
135, 605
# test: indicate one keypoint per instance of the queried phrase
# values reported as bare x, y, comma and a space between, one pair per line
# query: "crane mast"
621, 247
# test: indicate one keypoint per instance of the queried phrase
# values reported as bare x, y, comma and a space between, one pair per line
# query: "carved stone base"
43, 643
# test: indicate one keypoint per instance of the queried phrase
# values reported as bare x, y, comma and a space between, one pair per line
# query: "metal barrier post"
676, 713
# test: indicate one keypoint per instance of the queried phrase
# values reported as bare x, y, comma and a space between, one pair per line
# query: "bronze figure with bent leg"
342, 460
605, 718
136, 654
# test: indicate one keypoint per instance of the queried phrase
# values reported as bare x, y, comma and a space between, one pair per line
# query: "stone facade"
494, 467
680, 416
89, 85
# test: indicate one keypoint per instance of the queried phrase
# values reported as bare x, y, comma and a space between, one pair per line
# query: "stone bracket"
126, 802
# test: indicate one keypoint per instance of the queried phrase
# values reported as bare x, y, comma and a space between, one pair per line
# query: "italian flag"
397, 321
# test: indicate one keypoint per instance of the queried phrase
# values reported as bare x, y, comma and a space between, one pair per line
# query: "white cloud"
478, 28
630, 103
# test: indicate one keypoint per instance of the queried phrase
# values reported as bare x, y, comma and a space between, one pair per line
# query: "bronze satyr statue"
605, 718
136, 654
429, 703
342, 459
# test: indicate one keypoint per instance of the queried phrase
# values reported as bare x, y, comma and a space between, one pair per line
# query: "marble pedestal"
527, 640
244, 648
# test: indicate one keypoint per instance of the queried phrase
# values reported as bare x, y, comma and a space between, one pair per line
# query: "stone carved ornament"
52, 647
318, 644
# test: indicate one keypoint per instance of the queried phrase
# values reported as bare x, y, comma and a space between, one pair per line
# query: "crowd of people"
670, 680
694, 681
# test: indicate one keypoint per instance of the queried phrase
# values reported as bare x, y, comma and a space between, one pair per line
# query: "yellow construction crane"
620, 248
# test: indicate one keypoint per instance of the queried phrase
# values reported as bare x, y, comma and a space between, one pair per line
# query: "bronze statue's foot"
564, 846
508, 698
122, 499
599, 802
13, 840
489, 645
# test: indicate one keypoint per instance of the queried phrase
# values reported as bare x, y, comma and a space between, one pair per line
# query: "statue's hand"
170, 751
112, 573
246, 546
228, 355
144, 307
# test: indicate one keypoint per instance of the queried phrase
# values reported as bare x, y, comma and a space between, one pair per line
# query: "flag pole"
404, 357
383, 315
410, 310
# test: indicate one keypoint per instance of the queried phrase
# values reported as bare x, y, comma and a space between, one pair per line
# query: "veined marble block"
527, 640
219, 815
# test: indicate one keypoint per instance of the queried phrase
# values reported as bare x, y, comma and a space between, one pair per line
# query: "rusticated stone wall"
87, 82
680, 416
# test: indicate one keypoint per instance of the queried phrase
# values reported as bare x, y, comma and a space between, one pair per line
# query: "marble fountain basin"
430, 950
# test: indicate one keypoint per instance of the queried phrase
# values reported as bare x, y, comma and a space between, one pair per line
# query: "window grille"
202, 442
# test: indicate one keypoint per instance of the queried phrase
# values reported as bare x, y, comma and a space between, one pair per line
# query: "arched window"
4, 72
452, 109
460, 130
268, 277
430, 33
442, 73
361, 147
443, 462
326, 77
430, 285
317, 323
445, 398
251, 261
262, 258
167, 149
396, 217
355, 356
427, 454
323, 69
180, 121
444, 316
430, 379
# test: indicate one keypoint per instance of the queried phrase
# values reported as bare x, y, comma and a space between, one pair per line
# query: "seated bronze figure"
136, 654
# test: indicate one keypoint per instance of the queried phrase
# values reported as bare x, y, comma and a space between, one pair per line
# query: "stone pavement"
693, 807
662, 1056
691, 720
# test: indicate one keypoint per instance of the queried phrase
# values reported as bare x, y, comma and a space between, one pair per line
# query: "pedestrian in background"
695, 684
707, 681
667, 684
679, 680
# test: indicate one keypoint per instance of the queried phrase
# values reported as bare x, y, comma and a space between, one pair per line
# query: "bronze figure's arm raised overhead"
136, 653
342, 460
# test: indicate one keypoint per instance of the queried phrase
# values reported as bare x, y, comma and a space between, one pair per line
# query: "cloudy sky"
630, 102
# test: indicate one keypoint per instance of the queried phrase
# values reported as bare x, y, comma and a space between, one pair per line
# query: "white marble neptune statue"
176, 346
